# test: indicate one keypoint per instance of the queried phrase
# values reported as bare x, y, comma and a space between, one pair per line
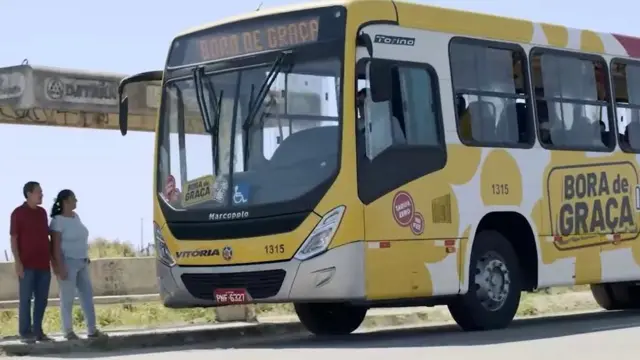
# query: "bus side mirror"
380, 80
123, 114
123, 103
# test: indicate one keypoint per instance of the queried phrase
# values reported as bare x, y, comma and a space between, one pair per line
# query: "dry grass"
148, 315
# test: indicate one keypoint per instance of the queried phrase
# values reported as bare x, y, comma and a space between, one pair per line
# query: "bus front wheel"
494, 285
330, 318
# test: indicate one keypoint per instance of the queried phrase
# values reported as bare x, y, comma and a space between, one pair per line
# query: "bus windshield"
249, 149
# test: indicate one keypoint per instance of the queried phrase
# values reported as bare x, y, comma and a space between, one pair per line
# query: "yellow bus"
353, 154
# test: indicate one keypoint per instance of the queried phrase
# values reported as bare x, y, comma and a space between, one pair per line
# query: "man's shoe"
27, 339
71, 336
43, 338
97, 335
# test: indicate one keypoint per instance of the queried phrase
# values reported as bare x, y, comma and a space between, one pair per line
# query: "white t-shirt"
74, 236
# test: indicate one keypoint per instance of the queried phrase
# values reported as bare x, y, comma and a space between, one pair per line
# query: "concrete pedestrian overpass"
32, 95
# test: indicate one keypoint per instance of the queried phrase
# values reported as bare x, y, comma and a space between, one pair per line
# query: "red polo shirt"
31, 228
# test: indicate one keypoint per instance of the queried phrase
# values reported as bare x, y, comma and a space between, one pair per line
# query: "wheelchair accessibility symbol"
240, 194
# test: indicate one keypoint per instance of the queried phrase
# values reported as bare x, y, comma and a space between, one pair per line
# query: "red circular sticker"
403, 208
417, 225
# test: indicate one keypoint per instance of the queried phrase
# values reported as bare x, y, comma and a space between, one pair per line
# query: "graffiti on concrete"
12, 85
78, 119
58, 118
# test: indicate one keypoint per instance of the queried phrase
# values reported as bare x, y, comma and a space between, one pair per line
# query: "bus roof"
467, 23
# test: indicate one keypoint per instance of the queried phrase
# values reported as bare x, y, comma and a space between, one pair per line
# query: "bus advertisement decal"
587, 202
417, 225
405, 214
198, 190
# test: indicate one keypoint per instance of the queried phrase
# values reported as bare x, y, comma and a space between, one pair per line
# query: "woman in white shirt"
70, 240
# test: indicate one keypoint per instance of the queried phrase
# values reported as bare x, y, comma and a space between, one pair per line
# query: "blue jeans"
78, 278
34, 284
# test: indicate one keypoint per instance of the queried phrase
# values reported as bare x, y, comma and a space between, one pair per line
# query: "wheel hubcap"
492, 281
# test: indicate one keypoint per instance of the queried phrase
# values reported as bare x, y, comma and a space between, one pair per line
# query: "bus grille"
259, 284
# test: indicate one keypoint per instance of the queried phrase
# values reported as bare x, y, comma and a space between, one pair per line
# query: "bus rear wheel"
330, 318
494, 285
617, 296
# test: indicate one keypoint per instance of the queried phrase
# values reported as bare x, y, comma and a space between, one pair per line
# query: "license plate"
231, 296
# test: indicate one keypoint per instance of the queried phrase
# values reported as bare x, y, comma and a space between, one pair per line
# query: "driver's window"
400, 134
408, 117
374, 120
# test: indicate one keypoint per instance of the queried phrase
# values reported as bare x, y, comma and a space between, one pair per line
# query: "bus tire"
494, 285
616, 296
330, 318
603, 296
633, 292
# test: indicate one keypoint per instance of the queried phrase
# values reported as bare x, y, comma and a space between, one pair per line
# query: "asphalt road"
600, 335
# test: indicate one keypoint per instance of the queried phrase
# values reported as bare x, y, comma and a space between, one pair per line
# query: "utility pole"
141, 234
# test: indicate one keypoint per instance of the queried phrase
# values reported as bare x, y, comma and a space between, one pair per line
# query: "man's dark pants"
34, 284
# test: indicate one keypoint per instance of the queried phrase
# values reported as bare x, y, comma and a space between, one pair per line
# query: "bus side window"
572, 101
491, 93
626, 86
417, 106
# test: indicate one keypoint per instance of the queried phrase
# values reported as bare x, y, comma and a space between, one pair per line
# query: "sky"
112, 175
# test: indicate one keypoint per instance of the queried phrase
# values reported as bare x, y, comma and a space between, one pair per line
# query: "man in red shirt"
32, 253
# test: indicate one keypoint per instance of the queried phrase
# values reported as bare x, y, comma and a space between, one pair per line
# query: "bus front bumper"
337, 274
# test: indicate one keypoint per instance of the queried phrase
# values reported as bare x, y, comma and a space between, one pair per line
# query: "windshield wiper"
254, 104
211, 125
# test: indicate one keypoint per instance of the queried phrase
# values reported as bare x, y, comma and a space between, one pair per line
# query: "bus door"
401, 151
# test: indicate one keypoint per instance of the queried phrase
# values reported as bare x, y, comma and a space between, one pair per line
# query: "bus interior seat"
523, 119
633, 134
582, 129
557, 132
483, 120
508, 125
316, 142
461, 105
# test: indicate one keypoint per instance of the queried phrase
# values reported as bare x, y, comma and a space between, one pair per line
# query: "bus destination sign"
245, 40
271, 37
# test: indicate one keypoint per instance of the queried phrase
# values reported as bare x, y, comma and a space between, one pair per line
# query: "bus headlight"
321, 236
162, 251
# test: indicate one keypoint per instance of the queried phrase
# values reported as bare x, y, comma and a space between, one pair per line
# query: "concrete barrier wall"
115, 276
118, 278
